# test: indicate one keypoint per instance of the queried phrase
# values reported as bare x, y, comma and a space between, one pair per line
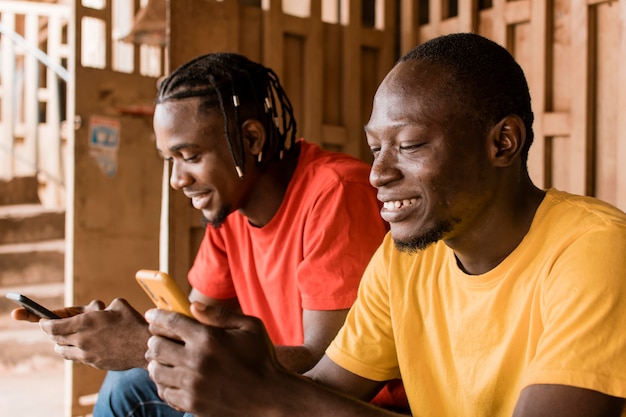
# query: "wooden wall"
574, 55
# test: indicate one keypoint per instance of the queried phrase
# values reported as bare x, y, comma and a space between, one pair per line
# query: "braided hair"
241, 89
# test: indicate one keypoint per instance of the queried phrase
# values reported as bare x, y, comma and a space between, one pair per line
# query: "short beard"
425, 239
217, 221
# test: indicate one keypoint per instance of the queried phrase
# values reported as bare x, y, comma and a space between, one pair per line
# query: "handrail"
38, 53
22, 150
48, 175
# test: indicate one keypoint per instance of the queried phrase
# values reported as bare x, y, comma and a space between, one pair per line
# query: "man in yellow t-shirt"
490, 297
467, 344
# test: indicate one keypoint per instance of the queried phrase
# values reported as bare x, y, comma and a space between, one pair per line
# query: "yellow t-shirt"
552, 312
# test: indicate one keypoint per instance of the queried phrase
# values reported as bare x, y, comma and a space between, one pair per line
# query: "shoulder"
319, 165
573, 215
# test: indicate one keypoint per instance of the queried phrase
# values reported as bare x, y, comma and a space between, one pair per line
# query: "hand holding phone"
32, 306
163, 290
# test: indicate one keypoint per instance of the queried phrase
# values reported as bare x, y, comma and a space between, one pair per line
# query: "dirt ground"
32, 381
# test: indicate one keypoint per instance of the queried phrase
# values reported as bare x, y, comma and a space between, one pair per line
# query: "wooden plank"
313, 76
352, 73
28, 163
450, 25
536, 75
556, 123
372, 38
7, 68
388, 48
250, 23
296, 25
435, 16
578, 158
595, 2
334, 135
498, 23
294, 70
221, 35
517, 11
408, 25
332, 106
37, 8
620, 89
52, 193
273, 43
605, 101
468, 18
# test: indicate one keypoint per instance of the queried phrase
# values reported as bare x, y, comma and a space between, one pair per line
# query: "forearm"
297, 359
320, 328
299, 396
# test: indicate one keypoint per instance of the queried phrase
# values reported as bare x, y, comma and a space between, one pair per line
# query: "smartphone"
32, 306
163, 290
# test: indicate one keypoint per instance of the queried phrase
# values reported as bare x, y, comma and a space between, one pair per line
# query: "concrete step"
50, 296
32, 263
20, 190
30, 223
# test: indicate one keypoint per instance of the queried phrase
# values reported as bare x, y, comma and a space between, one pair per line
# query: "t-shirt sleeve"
210, 273
342, 231
583, 312
365, 344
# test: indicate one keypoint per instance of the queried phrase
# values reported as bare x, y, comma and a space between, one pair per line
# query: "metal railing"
33, 77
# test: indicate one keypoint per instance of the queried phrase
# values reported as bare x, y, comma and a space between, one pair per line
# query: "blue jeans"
131, 393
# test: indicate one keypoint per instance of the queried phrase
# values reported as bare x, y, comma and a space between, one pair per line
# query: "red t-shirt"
311, 255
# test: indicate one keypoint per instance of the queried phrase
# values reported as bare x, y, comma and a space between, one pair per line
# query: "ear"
254, 135
507, 139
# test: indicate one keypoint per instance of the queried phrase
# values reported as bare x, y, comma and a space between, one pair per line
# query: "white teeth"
394, 205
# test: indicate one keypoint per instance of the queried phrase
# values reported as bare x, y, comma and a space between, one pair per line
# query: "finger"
224, 318
94, 305
174, 397
171, 325
71, 353
165, 351
167, 380
63, 326
163, 374
24, 315
66, 312
119, 304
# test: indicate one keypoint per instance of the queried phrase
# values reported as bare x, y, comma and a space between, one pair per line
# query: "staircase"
31, 263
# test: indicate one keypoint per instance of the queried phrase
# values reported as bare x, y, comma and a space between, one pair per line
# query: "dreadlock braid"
241, 89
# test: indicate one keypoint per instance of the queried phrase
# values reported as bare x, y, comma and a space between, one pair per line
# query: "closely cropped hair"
487, 77
241, 89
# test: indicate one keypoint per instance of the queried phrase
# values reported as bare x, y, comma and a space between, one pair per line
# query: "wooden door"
115, 172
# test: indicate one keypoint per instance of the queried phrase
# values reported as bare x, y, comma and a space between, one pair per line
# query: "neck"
498, 236
270, 188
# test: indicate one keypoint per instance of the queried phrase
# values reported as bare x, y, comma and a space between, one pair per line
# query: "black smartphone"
32, 306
